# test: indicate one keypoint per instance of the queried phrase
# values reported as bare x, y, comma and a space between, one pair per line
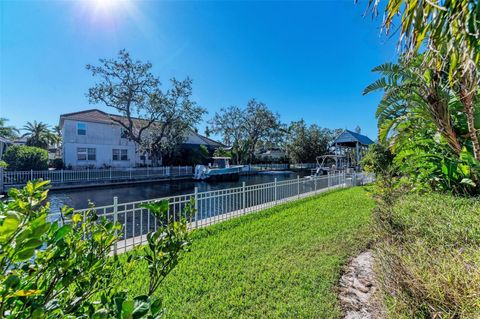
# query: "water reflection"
80, 198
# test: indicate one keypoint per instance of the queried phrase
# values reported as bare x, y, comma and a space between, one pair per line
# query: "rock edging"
358, 289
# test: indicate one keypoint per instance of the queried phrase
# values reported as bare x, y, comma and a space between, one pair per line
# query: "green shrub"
24, 158
3, 164
429, 257
63, 269
57, 163
378, 159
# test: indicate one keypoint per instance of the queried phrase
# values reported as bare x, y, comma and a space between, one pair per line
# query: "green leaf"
11, 281
142, 306
76, 218
38, 313
156, 307
468, 181
10, 223
127, 309
32, 243
100, 314
62, 231
24, 254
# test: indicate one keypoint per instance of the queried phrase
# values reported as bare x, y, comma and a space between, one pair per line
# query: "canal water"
100, 196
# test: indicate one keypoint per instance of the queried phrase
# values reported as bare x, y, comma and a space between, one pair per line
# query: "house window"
123, 133
119, 154
84, 154
81, 129
81, 154
91, 154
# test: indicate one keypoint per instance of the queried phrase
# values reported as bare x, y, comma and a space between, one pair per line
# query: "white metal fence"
89, 175
216, 206
303, 165
269, 167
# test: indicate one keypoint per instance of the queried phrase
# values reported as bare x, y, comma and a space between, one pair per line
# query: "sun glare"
109, 15
106, 4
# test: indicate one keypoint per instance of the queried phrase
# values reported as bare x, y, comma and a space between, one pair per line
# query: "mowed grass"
283, 262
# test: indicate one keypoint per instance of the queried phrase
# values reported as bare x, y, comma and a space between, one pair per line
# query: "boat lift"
330, 163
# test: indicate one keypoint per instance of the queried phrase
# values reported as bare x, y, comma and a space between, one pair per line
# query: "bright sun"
108, 14
106, 4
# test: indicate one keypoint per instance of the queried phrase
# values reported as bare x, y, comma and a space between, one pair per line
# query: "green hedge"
429, 256
24, 158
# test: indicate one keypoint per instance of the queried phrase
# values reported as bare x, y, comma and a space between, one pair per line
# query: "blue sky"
306, 60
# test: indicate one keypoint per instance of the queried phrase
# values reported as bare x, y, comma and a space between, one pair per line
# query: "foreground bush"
25, 158
429, 256
63, 269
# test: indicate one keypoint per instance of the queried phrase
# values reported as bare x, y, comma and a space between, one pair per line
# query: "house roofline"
65, 116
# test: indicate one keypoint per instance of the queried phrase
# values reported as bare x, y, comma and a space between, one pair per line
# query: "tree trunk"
466, 97
452, 140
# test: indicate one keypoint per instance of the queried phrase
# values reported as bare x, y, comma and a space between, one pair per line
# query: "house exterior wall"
101, 137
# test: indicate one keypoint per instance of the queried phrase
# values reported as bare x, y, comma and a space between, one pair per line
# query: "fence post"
110, 172
115, 220
298, 186
354, 179
1, 180
244, 198
276, 191
148, 172
88, 174
62, 178
130, 171
315, 183
196, 207
31, 174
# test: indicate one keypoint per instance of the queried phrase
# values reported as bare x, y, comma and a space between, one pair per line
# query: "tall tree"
38, 134
230, 124
6, 131
244, 130
261, 125
304, 143
155, 120
449, 33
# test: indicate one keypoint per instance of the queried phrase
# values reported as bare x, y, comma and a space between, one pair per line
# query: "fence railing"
90, 175
270, 167
303, 165
212, 207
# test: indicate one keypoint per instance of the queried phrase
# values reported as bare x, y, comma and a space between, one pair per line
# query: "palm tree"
57, 135
38, 134
448, 30
412, 90
9, 132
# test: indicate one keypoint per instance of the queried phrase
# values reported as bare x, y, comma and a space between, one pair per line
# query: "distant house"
272, 155
92, 139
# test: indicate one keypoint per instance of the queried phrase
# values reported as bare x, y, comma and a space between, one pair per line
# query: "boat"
219, 170
329, 163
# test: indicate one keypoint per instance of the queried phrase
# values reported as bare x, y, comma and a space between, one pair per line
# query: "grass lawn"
283, 262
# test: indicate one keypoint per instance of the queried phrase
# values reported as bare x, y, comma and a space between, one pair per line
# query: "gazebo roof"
349, 138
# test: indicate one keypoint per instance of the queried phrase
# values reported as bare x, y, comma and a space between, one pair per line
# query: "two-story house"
92, 139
